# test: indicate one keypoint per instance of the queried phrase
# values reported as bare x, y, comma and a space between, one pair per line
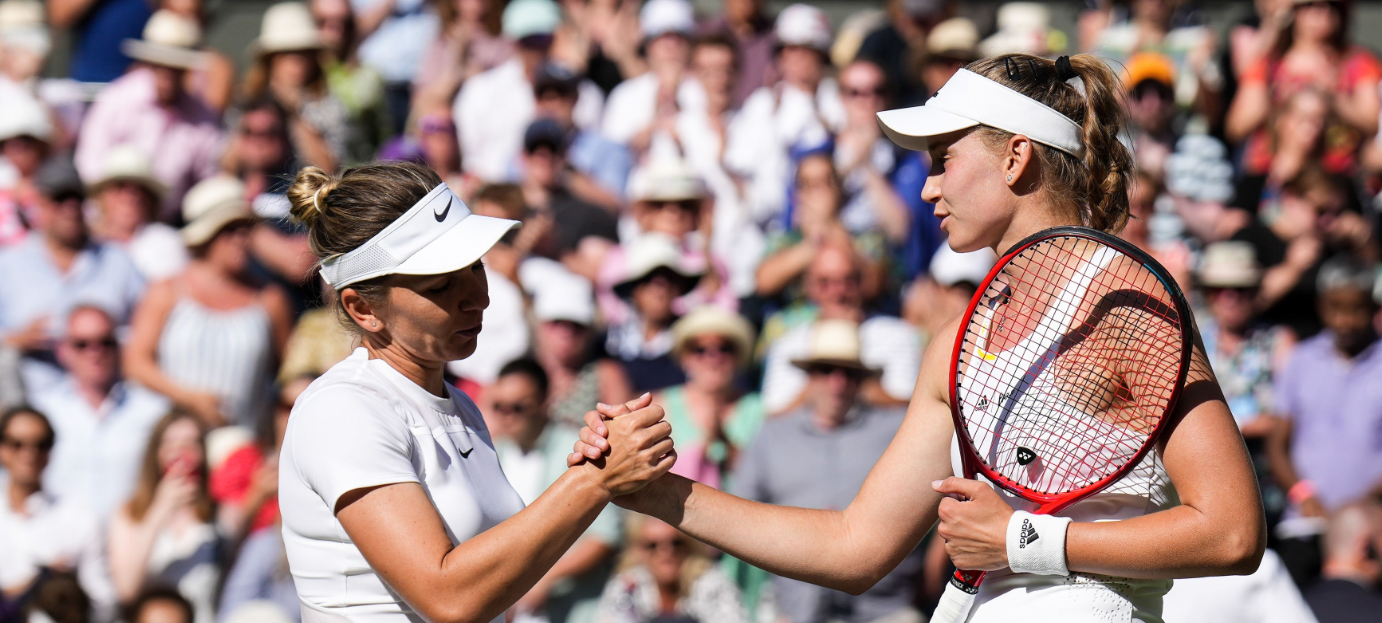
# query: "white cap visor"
437, 235
967, 100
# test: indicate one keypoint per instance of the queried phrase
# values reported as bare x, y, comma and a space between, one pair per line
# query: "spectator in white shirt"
802, 109
1266, 596
128, 196
103, 423
493, 109
37, 530
643, 110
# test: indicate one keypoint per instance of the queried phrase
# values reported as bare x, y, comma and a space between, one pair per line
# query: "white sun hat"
659, 17
525, 18
667, 179
126, 163
835, 342
169, 40
288, 27
211, 205
969, 99
803, 25
949, 268
564, 296
22, 115
651, 252
437, 235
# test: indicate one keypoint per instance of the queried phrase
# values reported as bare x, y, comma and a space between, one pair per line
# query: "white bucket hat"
288, 27
525, 18
949, 268
22, 115
170, 40
1230, 264
666, 180
969, 99
126, 163
659, 17
437, 235
649, 253
803, 25
834, 343
565, 296
211, 205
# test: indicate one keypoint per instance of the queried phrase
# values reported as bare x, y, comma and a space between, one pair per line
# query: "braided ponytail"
1093, 187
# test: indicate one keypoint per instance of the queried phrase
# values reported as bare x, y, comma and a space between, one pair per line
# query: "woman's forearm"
1200, 546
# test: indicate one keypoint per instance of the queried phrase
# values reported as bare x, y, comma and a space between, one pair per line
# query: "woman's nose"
931, 191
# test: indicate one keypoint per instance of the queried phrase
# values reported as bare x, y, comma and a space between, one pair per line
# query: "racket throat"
968, 581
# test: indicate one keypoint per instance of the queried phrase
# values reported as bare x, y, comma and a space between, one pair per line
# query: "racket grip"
958, 599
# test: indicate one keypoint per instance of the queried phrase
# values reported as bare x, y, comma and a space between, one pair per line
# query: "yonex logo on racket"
1025, 456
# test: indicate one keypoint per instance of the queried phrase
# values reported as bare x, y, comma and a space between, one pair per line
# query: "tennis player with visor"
1105, 462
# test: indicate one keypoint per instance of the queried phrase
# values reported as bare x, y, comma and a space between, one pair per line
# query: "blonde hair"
697, 561
1094, 187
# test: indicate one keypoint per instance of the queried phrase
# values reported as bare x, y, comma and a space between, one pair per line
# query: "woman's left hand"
975, 530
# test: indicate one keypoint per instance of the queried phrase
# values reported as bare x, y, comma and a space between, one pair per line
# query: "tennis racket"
1069, 362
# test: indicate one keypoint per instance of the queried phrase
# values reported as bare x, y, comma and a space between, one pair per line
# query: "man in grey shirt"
817, 457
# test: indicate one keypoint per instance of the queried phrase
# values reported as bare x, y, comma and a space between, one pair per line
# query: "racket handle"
958, 598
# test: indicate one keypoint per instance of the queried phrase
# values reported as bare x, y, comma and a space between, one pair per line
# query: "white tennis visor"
967, 100
437, 235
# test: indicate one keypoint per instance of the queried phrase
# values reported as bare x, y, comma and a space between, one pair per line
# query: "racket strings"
1065, 376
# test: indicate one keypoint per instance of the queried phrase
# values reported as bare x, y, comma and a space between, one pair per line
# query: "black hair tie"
1064, 70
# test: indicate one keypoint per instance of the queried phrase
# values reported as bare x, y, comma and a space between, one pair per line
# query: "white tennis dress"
1078, 598
363, 424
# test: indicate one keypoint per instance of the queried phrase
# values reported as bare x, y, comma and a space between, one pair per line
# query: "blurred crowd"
710, 214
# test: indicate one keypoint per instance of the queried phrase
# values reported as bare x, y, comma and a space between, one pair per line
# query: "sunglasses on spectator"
67, 198
689, 205
676, 544
513, 408
249, 132
105, 343
17, 445
852, 92
825, 369
719, 349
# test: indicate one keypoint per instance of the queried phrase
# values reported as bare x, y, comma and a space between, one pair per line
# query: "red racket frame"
1052, 503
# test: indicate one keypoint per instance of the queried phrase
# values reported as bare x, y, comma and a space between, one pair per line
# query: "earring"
1010, 178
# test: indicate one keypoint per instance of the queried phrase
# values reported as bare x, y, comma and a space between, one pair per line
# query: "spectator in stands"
1314, 52
40, 532
102, 421
1324, 451
1348, 587
582, 232
750, 30
394, 35
865, 160
943, 294
532, 450
359, 88
25, 132
436, 133
800, 110
667, 576
1151, 82
898, 46
287, 67
564, 308
1162, 27
260, 151
816, 223
1266, 596
656, 275
494, 109
160, 605
832, 420
467, 44
259, 584
833, 286
24, 45
128, 196
950, 46
642, 111
711, 416
245, 484
209, 338
602, 165
600, 40
150, 108
213, 81
99, 30
57, 268
165, 535
319, 340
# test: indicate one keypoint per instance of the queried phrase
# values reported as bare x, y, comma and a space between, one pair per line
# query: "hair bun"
309, 193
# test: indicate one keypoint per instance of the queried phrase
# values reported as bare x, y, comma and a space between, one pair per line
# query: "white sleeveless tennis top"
1006, 596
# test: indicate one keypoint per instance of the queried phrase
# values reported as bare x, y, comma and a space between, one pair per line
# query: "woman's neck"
425, 374
18, 495
1029, 220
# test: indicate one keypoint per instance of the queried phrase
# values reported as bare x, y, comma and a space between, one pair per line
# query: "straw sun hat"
210, 206
835, 343
126, 163
288, 27
170, 40
712, 320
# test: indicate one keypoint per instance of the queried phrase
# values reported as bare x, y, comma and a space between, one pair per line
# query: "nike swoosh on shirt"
441, 216
466, 454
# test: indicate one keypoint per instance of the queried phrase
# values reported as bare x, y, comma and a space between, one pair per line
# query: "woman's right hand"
638, 449
175, 491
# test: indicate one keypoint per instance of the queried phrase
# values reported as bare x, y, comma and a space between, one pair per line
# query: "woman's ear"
1019, 161
361, 311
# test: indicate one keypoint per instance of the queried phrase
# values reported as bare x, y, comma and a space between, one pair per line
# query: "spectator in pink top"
150, 109
25, 131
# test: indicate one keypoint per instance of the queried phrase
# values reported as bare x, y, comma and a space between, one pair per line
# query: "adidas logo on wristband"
1029, 534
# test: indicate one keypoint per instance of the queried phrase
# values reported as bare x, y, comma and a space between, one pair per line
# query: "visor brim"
912, 128
461, 246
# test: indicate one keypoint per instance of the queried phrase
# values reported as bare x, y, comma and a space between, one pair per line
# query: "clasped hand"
635, 444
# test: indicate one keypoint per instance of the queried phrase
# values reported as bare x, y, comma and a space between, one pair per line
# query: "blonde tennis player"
394, 506
1019, 144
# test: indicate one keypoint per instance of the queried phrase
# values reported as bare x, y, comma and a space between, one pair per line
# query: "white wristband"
1036, 544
